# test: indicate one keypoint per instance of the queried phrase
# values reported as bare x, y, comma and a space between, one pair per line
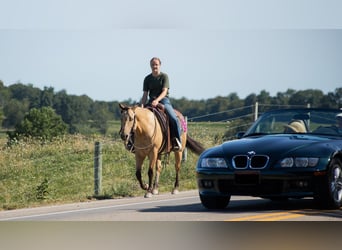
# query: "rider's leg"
174, 123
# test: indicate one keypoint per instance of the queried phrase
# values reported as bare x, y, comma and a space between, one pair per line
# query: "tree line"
84, 115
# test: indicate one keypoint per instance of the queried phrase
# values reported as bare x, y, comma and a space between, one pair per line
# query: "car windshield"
313, 121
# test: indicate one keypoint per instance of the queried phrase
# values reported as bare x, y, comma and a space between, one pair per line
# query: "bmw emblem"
251, 153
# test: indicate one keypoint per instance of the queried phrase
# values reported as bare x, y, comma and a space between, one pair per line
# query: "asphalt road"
185, 206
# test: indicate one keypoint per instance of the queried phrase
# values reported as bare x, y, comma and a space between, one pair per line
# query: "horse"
143, 125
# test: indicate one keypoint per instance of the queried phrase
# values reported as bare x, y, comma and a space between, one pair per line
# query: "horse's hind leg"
178, 162
178, 159
156, 180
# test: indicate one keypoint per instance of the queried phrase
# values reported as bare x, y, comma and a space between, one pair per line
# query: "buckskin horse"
144, 135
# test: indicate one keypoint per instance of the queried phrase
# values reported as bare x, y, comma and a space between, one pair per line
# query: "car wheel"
215, 202
330, 191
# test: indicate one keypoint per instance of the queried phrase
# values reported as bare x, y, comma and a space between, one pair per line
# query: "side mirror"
239, 135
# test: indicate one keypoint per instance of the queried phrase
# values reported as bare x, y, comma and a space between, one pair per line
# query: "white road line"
93, 209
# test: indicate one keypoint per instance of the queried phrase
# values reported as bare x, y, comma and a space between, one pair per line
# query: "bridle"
129, 140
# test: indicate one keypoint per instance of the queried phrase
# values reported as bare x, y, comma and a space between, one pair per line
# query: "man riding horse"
156, 87
143, 131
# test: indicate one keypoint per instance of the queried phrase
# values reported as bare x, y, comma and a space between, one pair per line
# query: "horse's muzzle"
123, 135
128, 141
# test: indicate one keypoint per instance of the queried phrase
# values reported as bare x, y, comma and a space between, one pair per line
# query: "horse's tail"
193, 145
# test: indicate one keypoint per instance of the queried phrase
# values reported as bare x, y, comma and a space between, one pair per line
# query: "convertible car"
286, 153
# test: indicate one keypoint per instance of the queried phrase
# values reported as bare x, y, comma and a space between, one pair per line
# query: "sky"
102, 48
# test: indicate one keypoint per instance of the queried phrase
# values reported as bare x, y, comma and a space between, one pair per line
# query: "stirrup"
177, 146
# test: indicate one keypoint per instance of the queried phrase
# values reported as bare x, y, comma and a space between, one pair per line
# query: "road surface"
185, 206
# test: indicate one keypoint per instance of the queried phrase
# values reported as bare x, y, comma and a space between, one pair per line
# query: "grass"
62, 171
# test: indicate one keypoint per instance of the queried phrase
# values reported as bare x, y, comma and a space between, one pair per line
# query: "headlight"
301, 162
286, 162
213, 163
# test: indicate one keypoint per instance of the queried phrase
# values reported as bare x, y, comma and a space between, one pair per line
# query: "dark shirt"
155, 85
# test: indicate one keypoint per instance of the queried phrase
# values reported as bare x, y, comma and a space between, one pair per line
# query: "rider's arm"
161, 96
144, 99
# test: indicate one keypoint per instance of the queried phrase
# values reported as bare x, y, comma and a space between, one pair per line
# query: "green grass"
62, 171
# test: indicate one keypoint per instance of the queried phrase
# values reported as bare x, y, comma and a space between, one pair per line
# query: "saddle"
163, 120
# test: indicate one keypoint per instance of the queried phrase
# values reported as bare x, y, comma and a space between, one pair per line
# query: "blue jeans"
174, 123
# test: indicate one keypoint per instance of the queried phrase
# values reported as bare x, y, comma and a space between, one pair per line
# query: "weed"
42, 190
60, 171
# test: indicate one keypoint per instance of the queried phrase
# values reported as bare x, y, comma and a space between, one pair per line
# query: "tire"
329, 194
215, 202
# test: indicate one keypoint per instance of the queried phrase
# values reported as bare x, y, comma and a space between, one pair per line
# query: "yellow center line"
284, 217
270, 216
277, 216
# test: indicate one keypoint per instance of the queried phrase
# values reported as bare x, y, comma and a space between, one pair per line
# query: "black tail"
194, 146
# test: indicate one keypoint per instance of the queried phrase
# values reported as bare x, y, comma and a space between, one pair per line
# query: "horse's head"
127, 123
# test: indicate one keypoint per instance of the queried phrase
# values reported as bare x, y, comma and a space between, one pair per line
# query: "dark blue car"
286, 153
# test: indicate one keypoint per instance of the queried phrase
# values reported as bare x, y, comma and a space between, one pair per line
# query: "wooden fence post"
97, 168
256, 111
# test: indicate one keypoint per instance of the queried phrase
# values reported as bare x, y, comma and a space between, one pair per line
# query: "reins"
132, 133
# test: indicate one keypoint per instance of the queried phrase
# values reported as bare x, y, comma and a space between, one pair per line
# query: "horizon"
102, 49
218, 96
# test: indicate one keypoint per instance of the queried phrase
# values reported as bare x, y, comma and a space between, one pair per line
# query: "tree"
73, 109
46, 97
264, 97
21, 92
101, 116
41, 123
337, 98
250, 100
282, 98
309, 96
14, 112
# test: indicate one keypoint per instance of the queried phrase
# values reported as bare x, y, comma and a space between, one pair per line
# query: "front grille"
240, 161
254, 161
259, 161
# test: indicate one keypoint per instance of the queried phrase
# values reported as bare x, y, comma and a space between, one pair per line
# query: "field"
62, 171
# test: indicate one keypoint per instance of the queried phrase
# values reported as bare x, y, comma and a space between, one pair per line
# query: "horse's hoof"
175, 191
155, 192
148, 195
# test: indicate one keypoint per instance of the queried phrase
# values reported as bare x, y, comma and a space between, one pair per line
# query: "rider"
156, 87
339, 123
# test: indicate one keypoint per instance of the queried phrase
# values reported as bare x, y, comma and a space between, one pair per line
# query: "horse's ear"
123, 107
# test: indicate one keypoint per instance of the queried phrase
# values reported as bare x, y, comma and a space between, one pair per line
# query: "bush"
41, 123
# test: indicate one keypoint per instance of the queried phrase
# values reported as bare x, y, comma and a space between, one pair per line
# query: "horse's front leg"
138, 175
138, 166
148, 194
152, 163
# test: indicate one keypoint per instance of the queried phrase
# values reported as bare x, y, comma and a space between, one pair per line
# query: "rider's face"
155, 66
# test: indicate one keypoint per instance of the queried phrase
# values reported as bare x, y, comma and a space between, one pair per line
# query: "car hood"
278, 144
